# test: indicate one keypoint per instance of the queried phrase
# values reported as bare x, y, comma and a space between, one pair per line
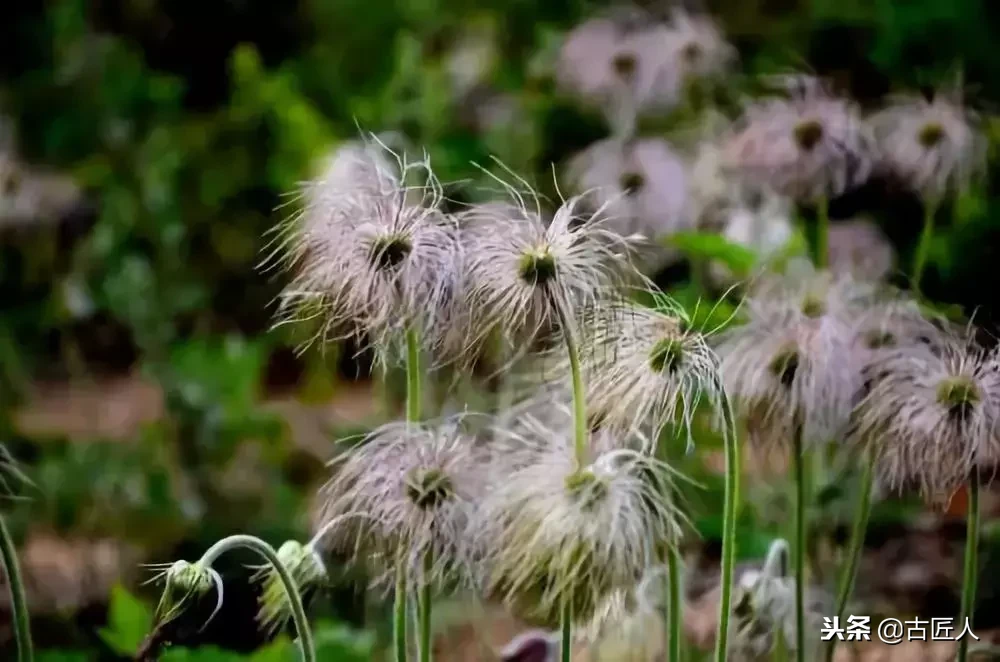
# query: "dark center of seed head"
389, 252
583, 484
808, 134
428, 488
958, 395
691, 52
632, 182
930, 135
624, 64
785, 365
537, 267
879, 339
666, 355
813, 307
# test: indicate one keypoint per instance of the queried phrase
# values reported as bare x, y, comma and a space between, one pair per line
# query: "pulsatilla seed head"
429, 488
538, 267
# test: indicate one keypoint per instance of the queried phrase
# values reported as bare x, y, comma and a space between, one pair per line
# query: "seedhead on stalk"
184, 584
306, 568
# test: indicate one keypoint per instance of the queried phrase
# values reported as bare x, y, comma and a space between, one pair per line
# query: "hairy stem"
413, 394
424, 652
399, 614
799, 546
675, 606
257, 545
924, 245
19, 604
970, 576
822, 232
566, 630
857, 542
728, 529
579, 398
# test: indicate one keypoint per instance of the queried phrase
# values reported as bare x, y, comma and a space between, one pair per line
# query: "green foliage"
129, 621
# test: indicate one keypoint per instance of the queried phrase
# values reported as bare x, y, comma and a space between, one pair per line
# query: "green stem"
413, 394
728, 530
924, 245
424, 652
970, 576
19, 604
579, 398
675, 606
822, 232
857, 542
399, 614
566, 628
257, 545
799, 546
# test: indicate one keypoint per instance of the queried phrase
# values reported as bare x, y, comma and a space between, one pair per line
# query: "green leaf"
129, 621
711, 246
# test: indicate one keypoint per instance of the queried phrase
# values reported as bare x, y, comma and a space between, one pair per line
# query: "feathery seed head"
554, 532
306, 568
811, 146
407, 489
932, 413
934, 146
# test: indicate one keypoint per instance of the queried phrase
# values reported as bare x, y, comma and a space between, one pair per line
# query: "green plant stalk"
413, 392
970, 576
579, 398
728, 530
19, 604
399, 614
857, 542
822, 232
306, 646
675, 606
799, 548
425, 652
566, 630
924, 245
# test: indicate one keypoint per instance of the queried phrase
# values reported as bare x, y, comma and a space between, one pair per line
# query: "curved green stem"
579, 398
970, 576
799, 546
19, 604
675, 605
924, 246
857, 542
566, 631
728, 530
257, 545
424, 652
399, 614
822, 232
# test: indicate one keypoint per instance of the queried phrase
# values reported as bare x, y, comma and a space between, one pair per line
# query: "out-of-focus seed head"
307, 571
553, 532
808, 147
698, 49
934, 146
932, 413
408, 489
372, 255
860, 250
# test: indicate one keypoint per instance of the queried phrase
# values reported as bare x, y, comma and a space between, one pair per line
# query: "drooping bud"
184, 584
305, 567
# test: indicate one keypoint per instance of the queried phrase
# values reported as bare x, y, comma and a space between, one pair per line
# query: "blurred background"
148, 148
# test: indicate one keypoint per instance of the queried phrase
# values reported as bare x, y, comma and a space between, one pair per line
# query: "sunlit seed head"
537, 267
388, 252
428, 488
958, 394
667, 355
930, 135
808, 134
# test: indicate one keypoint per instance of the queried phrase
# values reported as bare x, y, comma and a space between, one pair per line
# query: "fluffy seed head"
307, 570
698, 49
808, 147
934, 146
792, 364
373, 258
931, 412
859, 249
407, 490
555, 532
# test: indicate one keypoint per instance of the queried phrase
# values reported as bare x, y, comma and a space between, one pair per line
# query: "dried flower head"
935, 146
647, 368
306, 568
620, 64
523, 277
370, 261
554, 533
931, 412
407, 491
791, 364
185, 583
859, 249
810, 146
641, 184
